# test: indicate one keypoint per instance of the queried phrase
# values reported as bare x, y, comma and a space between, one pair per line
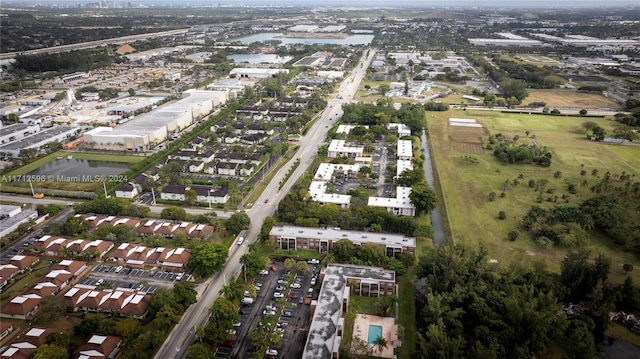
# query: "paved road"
50, 200
92, 44
179, 339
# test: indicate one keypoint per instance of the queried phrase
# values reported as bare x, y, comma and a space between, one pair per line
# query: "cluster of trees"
436, 106
64, 62
208, 258
112, 206
382, 113
105, 94
369, 254
632, 119
476, 309
296, 208
613, 211
507, 152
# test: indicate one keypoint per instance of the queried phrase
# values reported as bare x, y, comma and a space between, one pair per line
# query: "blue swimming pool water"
375, 331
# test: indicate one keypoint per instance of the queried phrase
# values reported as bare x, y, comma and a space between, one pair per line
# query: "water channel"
439, 236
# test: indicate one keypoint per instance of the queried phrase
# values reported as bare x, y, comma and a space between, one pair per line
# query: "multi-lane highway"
92, 44
182, 335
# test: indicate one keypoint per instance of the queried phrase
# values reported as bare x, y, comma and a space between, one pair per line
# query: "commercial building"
254, 73
322, 239
42, 138
327, 324
13, 216
148, 130
17, 131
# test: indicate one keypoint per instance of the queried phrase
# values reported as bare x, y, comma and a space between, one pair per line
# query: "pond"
76, 170
349, 40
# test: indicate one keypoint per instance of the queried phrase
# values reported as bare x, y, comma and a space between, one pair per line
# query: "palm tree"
226, 291
380, 343
200, 333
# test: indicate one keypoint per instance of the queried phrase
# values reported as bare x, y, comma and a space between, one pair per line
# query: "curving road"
176, 344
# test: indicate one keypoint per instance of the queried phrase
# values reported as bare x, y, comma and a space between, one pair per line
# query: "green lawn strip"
407, 314
619, 331
23, 282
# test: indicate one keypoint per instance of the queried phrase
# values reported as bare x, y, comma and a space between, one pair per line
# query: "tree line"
473, 308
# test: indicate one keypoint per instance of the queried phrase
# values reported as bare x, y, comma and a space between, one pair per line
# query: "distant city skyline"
551, 4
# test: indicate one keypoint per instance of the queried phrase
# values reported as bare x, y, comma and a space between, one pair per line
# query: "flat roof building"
404, 150
327, 324
337, 148
401, 205
44, 137
322, 239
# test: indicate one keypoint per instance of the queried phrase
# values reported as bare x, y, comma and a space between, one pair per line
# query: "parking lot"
142, 280
293, 315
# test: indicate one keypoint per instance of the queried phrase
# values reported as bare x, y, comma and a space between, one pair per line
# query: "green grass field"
466, 184
570, 98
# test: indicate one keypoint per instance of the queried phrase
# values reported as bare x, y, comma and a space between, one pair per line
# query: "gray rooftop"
387, 239
4, 131
322, 333
37, 138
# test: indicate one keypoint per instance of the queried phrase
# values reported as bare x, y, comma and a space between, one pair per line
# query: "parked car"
295, 285
273, 268
278, 295
237, 324
293, 296
264, 272
271, 352
287, 313
313, 261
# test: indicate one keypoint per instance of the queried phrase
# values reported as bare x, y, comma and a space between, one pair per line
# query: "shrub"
513, 235
502, 215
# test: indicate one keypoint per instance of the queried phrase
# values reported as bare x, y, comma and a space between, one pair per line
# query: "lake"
80, 170
268, 36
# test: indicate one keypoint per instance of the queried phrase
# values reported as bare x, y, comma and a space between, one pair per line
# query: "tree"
583, 112
74, 226
384, 88
343, 250
50, 351
514, 88
627, 267
233, 290
588, 125
253, 263
598, 133
174, 213
61, 339
198, 351
513, 235
128, 328
502, 215
237, 222
190, 196
557, 175
208, 258
223, 315
131, 92
380, 343
423, 197
170, 172
409, 177
301, 267
288, 263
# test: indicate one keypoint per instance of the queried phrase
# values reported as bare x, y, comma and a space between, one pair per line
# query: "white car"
237, 324
231, 332
264, 272
269, 312
295, 285
278, 295
313, 261
271, 352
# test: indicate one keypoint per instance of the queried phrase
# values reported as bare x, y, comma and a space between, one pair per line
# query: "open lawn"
467, 181
569, 98
532, 59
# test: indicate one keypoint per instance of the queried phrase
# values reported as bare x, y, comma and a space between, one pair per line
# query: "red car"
273, 268
293, 296
266, 200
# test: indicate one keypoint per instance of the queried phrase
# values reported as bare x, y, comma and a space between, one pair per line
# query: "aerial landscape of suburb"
287, 179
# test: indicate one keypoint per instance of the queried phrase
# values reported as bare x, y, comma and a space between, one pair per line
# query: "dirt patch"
465, 147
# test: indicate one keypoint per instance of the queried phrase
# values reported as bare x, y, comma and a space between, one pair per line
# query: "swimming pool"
375, 331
